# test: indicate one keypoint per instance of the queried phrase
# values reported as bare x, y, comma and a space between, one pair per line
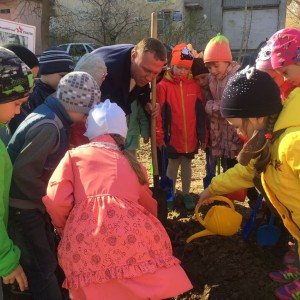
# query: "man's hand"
18, 275
153, 112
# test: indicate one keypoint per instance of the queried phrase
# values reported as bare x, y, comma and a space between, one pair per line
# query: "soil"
220, 268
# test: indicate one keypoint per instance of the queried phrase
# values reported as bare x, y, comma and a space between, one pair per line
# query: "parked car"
77, 50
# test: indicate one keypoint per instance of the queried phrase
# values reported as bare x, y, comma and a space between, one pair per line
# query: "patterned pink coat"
223, 137
105, 218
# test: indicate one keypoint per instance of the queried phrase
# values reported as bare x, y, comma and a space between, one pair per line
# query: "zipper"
184, 118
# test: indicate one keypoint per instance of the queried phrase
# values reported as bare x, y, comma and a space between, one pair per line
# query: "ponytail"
135, 165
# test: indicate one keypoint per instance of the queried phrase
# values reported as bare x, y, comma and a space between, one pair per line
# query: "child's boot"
289, 274
289, 291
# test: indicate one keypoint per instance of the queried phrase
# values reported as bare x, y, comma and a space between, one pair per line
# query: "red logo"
19, 29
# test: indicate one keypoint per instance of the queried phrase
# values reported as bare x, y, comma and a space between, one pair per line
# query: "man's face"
144, 67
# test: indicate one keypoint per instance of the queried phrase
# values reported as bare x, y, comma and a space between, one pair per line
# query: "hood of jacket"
289, 116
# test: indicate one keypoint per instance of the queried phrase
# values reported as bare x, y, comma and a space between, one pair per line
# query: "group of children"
96, 195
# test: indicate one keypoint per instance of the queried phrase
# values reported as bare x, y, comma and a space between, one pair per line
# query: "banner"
17, 33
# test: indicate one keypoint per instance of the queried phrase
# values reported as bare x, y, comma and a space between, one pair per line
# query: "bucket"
268, 235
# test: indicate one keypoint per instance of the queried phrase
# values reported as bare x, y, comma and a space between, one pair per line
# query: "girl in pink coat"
112, 245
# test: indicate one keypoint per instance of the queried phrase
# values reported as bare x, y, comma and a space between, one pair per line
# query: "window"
5, 11
77, 50
164, 21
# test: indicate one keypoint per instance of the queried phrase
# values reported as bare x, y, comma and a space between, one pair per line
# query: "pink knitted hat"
285, 45
217, 49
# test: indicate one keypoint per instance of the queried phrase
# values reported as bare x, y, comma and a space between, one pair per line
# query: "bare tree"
105, 22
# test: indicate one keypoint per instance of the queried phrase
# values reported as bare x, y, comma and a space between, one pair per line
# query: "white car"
77, 50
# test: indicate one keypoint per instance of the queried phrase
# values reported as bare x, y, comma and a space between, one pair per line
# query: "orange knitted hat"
217, 49
181, 55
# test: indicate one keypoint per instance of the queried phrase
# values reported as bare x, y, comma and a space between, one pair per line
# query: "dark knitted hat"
250, 93
24, 54
78, 91
198, 67
16, 78
55, 60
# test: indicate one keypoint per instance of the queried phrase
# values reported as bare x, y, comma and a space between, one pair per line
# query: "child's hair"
265, 154
135, 165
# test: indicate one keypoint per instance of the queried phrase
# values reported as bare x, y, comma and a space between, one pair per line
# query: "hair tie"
268, 136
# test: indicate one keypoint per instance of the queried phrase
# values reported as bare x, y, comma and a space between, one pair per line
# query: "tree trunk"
45, 23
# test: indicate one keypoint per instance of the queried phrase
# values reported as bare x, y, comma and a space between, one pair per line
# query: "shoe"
289, 274
290, 257
289, 291
188, 202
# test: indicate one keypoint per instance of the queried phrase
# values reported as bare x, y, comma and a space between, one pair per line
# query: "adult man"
130, 69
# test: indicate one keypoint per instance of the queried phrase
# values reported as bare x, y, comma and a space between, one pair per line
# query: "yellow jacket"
281, 180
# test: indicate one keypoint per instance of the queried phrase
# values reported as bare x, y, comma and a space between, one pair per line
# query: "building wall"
25, 17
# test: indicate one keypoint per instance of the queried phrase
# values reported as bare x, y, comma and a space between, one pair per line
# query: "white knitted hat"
105, 118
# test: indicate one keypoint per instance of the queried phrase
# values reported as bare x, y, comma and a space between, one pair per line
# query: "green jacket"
9, 253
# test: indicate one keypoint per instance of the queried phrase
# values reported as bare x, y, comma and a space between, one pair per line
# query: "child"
112, 246
16, 81
263, 62
94, 65
251, 103
32, 62
285, 59
225, 143
200, 74
138, 125
182, 124
54, 64
35, 150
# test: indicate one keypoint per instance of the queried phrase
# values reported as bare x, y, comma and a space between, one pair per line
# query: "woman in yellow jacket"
251, 103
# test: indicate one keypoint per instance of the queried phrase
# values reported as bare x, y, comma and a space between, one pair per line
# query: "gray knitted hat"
78, 91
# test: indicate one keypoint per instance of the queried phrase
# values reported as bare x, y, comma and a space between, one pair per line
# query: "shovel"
209, 175
158, 193
165, 182
250, 225
268, 235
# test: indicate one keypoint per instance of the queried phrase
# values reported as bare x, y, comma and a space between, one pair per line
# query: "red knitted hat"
285, 45
217, 49
181, 55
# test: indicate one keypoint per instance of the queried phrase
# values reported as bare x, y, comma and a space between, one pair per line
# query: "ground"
220, 268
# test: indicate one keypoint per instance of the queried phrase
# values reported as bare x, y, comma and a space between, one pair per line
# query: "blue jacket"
116, 84
35, 150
